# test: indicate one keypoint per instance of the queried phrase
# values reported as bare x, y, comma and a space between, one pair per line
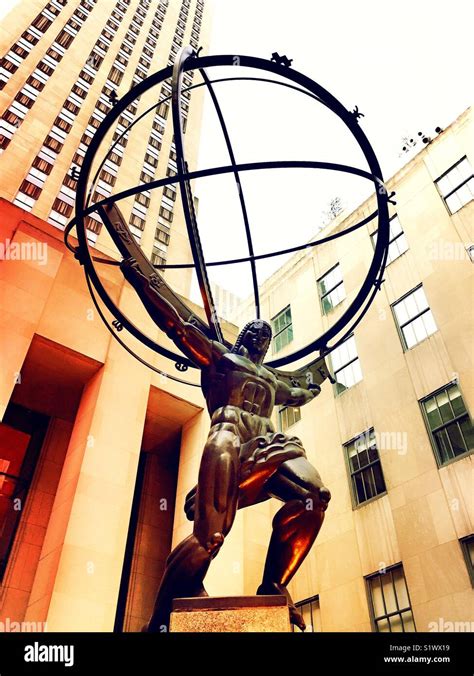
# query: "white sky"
6, 6
406, 64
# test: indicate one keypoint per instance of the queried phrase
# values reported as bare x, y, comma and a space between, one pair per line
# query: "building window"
288, 416
62, 124
143, 199
390, 602
42, 165
62, 207
282, 329
137, 221
310, 610
151, 160
162, 236
145, 178
64, 39
331, 289
365, 468
157, 259
107, 177
169, 193
414, 318
467, 545
115, 75
456, 185
53, 144
346, 365
163, 110
27, 188
166, 214
397, 240
449, 424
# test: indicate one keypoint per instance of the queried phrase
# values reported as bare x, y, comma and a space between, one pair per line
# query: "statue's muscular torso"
239, 391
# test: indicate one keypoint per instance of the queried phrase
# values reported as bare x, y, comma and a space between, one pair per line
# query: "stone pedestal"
231, 614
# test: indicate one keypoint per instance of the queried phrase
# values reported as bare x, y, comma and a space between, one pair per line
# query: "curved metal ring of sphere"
373, 280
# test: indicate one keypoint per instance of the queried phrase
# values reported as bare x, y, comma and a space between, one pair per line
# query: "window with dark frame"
449, 424
282, 325
363, 461
30, 189
456, 185
288, 416
414, 318
467, 545
389, 601
143, 199
62, 207
166, 214
331, 289
345, 364
398, 243
310, 610
162, 236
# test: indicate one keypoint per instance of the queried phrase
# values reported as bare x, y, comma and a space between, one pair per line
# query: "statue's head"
255, 337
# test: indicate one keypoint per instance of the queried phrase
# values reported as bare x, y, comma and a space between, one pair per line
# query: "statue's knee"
214, 544
318, 499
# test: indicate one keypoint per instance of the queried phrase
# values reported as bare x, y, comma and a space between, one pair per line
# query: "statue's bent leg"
295, 526
216, 504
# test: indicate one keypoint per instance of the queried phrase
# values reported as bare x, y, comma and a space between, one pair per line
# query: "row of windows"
447, 422
414, 321
137, 219
36, 81
456, 188
9, 64
388, 597
62, 209
107, 178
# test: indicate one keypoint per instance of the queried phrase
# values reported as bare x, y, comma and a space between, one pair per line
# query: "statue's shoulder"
219, 350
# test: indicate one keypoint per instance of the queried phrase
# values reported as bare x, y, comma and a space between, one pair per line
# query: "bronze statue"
244, 460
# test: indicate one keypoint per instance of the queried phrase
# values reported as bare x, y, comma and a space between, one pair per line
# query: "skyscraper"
65, 64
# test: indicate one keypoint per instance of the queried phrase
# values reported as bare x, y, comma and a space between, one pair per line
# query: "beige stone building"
97, 452
393, 437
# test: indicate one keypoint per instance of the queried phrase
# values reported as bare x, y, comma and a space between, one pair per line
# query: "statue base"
230, 614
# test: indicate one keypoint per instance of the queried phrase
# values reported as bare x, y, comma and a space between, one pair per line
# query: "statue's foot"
268, 589
199, 591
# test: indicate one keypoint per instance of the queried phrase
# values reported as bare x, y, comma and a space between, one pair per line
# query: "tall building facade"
97, 452
65, 64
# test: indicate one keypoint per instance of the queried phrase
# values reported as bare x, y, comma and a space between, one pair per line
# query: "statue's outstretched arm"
296, 388
186, 336
164, 306
295, 396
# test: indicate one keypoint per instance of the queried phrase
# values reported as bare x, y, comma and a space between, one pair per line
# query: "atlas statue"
245, 461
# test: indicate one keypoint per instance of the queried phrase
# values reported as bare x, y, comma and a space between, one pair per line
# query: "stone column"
82, 557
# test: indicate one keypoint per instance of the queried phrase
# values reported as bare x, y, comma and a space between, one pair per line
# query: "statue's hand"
314, 389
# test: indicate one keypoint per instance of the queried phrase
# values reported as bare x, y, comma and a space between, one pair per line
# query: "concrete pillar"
25, 284
82, 557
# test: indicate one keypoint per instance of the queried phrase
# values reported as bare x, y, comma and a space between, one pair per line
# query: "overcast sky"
407, 65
